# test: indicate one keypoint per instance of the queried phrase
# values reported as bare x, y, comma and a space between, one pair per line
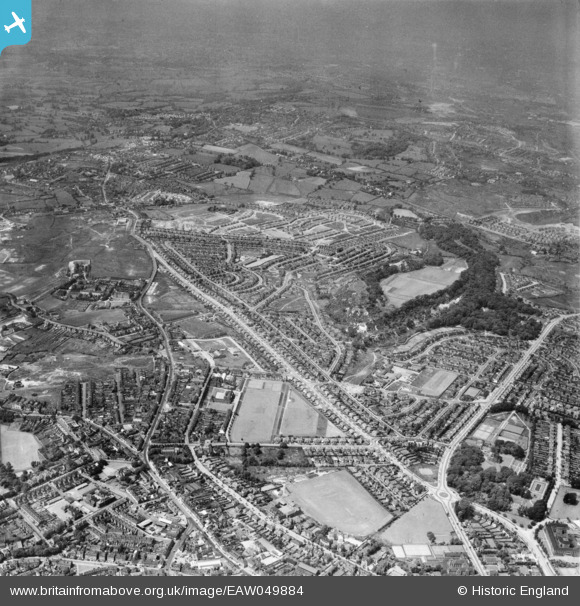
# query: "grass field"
412, 527
165, 295
49, 243
450, 198
401, 288
410, 240
199, 329
18, 448
173, 315
110, 316
561, 511
272, 408
289, 302
256, 415
433, 382
338, 500
300, 419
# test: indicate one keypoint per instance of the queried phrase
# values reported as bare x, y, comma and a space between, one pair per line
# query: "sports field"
433, 381
257, 411
338, 500
401, 288
18, 448
300, 419
273, 408
413, 526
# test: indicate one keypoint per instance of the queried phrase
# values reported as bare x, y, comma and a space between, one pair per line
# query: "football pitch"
272, 408
256, 414
433, 381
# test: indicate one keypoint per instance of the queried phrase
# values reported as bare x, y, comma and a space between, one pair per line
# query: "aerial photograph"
290, 288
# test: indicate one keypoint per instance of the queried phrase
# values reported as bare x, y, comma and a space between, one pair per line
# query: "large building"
559, 540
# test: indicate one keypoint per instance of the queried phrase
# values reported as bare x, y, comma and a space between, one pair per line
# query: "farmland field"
401, 288
338, 500
18, 448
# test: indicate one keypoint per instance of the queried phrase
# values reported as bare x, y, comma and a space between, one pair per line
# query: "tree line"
477, 305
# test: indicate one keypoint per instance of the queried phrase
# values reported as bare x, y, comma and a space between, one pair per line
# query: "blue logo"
15, 22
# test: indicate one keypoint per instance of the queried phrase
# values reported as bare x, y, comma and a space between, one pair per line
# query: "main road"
311, 385
441, 493
448, 496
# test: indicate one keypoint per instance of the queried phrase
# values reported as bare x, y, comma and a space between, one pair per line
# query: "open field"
410, 239
561, 511
49, 243
451, 198
271, 408
165, 295
109, 316
256, 415
549, 217
173, 315
413, 526
289, 302
433, 382
52, 370
401, 288
338, 500
360, 367
300, 419
18, 448
559, 274
200, 329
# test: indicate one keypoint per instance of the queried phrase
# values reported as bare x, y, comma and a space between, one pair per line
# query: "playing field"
300, 419
561, 511
413, 526
433, 382
273, 408
401, 288
18, 448
338, 500
257, 411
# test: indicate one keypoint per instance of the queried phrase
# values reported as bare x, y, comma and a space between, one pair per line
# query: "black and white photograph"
290, 288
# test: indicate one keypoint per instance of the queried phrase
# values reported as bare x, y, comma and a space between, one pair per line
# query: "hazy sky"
527, 42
